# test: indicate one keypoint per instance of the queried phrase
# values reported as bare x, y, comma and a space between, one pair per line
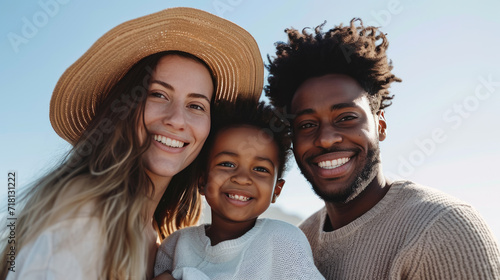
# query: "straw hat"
230, 51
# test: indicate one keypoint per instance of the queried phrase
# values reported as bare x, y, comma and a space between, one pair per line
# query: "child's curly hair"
226, 114
356, 51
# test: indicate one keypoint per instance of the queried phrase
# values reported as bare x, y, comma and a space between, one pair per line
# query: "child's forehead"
239, 128
246, 140
250, 134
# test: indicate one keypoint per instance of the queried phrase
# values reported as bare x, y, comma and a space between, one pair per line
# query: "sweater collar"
229, 249
379, 208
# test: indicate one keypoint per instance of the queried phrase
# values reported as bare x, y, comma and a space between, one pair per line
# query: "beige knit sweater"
414, 232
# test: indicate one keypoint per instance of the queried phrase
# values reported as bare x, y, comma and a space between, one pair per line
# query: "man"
335, 84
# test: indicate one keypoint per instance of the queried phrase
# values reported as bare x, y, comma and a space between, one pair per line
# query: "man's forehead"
328, 90
330, 103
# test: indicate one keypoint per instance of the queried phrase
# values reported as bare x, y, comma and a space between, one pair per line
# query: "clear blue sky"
443, 125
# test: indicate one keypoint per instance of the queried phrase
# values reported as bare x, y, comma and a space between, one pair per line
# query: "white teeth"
168, 141
330, 164
239, 197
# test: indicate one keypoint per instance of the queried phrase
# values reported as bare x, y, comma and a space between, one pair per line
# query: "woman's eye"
158, 95
197, 107
261, 169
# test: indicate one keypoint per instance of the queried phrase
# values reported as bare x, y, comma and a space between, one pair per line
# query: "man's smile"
331, 164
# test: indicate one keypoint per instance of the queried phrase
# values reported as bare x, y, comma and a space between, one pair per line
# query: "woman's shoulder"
70, 232
68, 247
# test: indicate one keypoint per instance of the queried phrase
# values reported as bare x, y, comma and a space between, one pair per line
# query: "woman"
136, 108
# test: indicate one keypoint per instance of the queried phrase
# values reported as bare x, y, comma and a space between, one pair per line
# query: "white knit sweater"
272, 249
414, 232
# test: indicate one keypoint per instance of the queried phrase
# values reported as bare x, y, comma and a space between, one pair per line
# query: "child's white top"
272, 249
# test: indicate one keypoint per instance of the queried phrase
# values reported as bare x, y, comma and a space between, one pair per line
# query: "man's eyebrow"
304, 112
170, 87
332, 108
343, 105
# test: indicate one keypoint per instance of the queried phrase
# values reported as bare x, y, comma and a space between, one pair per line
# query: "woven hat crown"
230, 51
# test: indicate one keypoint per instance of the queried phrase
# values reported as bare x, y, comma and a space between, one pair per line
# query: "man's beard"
366, 175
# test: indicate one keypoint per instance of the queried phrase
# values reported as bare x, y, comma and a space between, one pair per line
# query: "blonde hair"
105, 169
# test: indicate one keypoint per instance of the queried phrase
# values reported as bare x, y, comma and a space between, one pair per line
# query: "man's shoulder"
313, 221
405, 202
427, 207
414, 195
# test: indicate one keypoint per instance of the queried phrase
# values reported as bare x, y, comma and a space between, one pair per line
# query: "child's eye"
226, 164
261, 169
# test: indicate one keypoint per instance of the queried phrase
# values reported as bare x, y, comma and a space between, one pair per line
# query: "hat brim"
230, 51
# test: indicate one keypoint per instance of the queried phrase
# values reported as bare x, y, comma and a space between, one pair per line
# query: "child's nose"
241, 178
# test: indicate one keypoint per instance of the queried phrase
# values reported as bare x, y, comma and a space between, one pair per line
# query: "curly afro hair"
356, 51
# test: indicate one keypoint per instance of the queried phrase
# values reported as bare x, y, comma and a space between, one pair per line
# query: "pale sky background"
443, 124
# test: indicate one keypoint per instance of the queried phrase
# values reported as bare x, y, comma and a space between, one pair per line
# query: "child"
244, 156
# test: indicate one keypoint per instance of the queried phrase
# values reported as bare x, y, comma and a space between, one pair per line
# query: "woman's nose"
175, 116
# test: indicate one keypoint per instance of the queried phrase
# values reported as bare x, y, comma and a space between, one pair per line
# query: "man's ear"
382, 126
277, 189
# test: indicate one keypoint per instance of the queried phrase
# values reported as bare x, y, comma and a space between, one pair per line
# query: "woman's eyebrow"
199, 95
162, 83
170, 87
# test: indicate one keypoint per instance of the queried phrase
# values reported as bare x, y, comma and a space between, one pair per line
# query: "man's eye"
306, 125
347, 118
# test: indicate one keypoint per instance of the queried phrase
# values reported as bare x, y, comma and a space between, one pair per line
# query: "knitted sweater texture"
272, 249
414, 232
